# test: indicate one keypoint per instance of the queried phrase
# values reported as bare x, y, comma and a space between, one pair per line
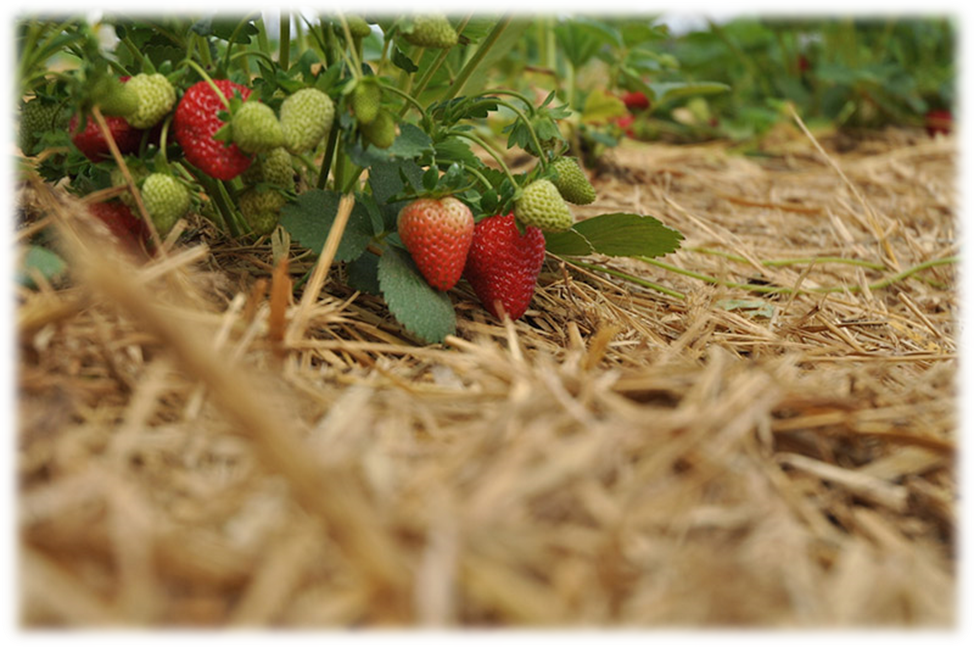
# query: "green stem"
134, 51
233, 40
409, 99
784, 262
527, 123
476, 59
221, 201
310, 29
490, 151
480, 176
627, 277
329, 156
284, 46
262, 41
767, 289
351, 42
510, 93
252, 52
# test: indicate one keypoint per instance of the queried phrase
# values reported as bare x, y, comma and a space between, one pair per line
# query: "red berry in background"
625, 124
939, 121
635, 101
90, 141
437, 234
503, 265
197, 120
803, 63
130, 230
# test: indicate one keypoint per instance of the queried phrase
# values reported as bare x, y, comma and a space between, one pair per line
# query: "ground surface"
618, 457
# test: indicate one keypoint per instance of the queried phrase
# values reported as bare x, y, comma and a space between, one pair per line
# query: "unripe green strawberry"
381, 132
137, 170
37, 117
366, 100
431, 31
542, 206
261, 209
256, 128
572, 183
306, 117
357, 26
273, 167
155, 97
113, 96
166, 200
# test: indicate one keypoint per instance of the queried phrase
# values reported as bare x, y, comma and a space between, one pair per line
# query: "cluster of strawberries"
254, 141
636, 102
501, 255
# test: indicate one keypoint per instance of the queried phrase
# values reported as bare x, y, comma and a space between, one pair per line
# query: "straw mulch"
198, 448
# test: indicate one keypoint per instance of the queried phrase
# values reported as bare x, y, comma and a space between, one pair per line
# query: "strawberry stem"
284, 52
233, 40
409, 99
357, 67
623, 275
476, 59
490, 151
534, 136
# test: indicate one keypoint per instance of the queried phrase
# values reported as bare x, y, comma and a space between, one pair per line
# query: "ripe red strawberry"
130, 230
90, 141
437, 234
635, 101
625, 124
503, 265
197, 120
939, 121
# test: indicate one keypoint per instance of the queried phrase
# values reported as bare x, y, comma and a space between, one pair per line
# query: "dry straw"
767, 442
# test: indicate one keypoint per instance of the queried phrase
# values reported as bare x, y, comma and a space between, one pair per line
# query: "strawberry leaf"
42, 261
628, 234
309, 219
423, 311
363, 274
567, 243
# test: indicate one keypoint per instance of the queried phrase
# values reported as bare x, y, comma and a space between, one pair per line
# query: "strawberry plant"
251, 132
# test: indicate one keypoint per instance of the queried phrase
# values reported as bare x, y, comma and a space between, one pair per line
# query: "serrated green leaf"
363, 274
639, 32
40, 259
628, 234
601, 106
430, 178
203, 27
309, 219
507, 42
422, 310
229, 16
567, 243
454, 149
409, 144
403, 62
386, 178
